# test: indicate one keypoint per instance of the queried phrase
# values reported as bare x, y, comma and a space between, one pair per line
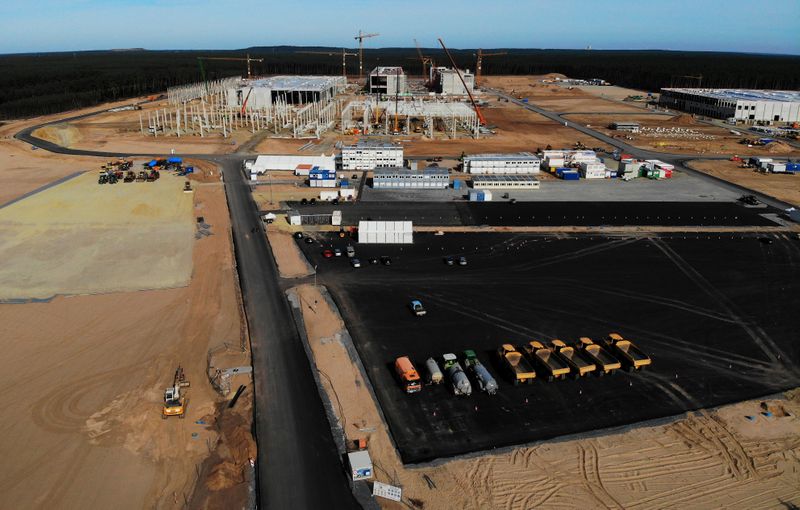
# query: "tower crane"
481, 118
345, 54
425, 61
479, 62
360, 38
238, 59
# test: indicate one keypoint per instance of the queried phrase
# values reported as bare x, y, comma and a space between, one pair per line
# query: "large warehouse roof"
743, 94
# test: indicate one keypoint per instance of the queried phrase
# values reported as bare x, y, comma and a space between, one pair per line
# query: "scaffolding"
377, 117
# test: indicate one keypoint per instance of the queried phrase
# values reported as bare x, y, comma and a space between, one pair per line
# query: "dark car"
309, 240
298, 235
765, 240
373, 261
386, 261
449, 260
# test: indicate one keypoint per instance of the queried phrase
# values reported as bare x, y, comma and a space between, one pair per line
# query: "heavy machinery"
407, 374
175, 402
458, 379
605, 362
579, 365
631, 356
551, 363
478, 112
518, 367
484, 379
434, 374
360, 38
479, 62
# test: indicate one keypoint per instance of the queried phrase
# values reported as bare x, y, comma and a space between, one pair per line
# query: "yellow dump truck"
579, 365
517, 366
631, 356
551, 363
605, 362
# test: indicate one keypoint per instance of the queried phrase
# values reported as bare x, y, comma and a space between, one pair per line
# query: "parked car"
449, 260
337, 252
355, 262
351, 252
417, 308
298, 235
462, 261
386, 261
309, 240
327, 254
373, 261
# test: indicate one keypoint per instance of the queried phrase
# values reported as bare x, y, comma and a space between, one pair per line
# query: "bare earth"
291, 263
783, 187
714, 459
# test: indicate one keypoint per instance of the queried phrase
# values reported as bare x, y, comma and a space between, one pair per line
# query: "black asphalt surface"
550, 213
717, 314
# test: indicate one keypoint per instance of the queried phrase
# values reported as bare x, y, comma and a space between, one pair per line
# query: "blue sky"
769, 26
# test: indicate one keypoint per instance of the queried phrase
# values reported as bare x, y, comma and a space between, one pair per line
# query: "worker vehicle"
605, 362
141, 176
309, 240
547, 360
175, 402
462, 261
479, 372
577, 364
373, 261
298, 235
407, 374
102, 179
386, 261
630, 355
518, 367
417, 308
434, 375
458, 379
327, 254
351, 252
449, 260
355, 262
130, 176
342, 233
337, 252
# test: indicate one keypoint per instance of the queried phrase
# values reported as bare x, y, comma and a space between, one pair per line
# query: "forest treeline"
43, 83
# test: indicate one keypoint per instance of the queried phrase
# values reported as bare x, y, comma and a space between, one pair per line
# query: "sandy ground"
716, 459
81, 238
86, 429
783, 187
724, 141
291, 263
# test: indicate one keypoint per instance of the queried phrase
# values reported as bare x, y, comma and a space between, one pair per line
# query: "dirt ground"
711, 459
86, 429
291, 263
724, 142
784, 187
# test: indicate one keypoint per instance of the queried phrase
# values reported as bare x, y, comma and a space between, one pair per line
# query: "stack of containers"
593, 170
792, 167
321, 178
569, 174
480, 195
776, 168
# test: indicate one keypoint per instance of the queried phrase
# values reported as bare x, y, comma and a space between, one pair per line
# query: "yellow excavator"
175, 401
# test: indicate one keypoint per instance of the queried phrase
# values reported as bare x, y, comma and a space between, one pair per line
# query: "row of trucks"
450, 371
559, 360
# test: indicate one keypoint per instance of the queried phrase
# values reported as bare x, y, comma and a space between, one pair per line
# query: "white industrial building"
518, 163
276, 162
432, 177
632, 127
387, 80
446, 81
385, 232
746, 106
505, 181
368, 155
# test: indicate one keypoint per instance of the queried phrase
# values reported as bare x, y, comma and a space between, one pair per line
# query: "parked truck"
551, 363
578, 364
458, 379
484, 379
605, 362
407, 375
521, 371
631, 356
434, 375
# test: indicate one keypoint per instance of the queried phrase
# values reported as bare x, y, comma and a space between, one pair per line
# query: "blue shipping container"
456, 184
174, 160
571, 175
525, 100
344, 183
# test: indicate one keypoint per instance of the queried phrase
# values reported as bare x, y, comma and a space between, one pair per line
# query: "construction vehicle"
605, 362
187, 187
434, 375
518, 367
141, 176
407, 374
130, 176
485, 380
481, 118
579, 365
458, 379
175, 402
631, 356
103, 178
552, 365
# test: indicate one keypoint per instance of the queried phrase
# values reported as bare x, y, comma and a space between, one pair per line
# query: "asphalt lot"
557, 213
717, 314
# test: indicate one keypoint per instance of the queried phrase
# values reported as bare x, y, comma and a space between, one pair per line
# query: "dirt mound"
779, 147
224, 475
61, 134
683, 120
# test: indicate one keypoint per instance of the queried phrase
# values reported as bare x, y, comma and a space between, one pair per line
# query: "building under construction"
387, 81
405, 116
296, 106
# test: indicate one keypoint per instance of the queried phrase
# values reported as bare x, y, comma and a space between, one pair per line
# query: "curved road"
298, 463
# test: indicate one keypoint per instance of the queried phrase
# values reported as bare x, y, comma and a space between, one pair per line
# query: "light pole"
315, 277
271, 202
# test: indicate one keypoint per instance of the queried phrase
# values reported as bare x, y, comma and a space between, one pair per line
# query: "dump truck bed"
523, 370
634, 354
554, 364
603, 359
578, 363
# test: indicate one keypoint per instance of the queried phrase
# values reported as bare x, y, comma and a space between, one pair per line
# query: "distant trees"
36, 84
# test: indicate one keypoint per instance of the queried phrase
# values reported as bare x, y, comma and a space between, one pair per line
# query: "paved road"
298, 464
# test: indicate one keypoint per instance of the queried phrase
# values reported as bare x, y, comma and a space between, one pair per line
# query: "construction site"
385, 290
